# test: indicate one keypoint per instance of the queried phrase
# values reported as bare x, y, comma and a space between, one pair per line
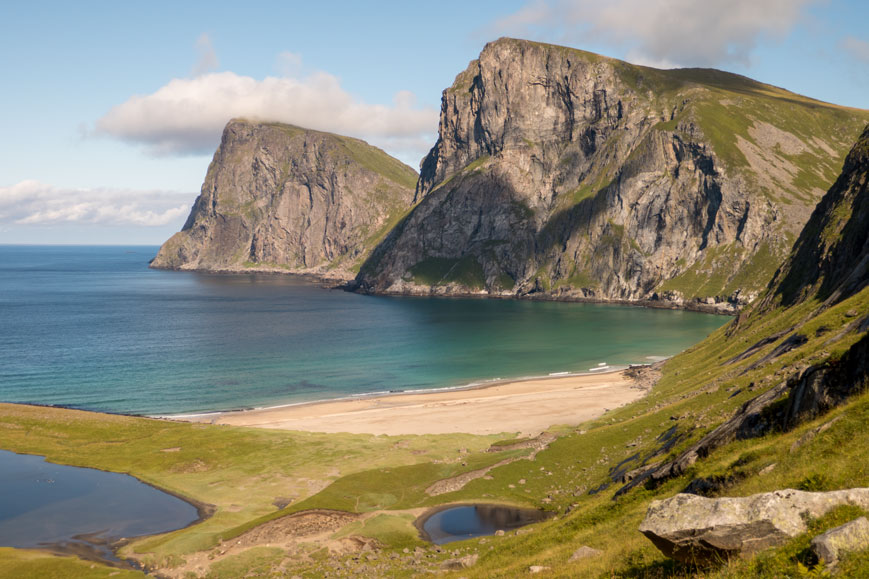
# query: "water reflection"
468, 521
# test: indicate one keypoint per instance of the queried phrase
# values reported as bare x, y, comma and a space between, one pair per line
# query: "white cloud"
857, 48
687, 32
207, 57
35, 203
186, 116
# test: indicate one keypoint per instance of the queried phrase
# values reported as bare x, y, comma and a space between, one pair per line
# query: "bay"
94, 328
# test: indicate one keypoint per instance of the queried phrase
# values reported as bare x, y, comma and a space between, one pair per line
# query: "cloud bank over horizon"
665, 34
186, 116
34, 203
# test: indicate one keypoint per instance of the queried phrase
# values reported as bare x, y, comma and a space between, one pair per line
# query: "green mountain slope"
776, 399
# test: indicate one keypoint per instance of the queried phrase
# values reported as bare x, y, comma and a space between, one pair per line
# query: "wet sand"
527, 407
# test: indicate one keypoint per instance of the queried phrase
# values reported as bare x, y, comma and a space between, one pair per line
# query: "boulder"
696, 529
853, 536
460, 563
584, 552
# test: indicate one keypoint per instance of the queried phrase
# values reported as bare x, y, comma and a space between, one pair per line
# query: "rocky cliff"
830, 261
563, 174
813, 321
281, 198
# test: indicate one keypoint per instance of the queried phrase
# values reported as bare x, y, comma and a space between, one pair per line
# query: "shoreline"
477, 385
341, 283
526, 406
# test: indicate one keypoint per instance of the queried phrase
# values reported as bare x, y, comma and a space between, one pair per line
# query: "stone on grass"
695, 529
853, 536
460, 563
584, 552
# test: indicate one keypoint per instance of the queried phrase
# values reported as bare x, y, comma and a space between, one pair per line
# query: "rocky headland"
557, 174
286, 199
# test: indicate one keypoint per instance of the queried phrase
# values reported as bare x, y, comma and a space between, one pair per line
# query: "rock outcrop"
695, 529
563, 174
852, 536
829, 262
281, 198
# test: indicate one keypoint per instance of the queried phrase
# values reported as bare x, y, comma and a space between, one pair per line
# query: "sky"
111, 111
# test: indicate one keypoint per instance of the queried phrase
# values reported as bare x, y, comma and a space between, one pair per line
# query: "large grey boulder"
852, 536
696, 529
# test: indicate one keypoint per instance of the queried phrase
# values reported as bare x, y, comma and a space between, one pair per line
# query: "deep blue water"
94, 328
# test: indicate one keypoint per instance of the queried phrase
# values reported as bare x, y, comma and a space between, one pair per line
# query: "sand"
527, 407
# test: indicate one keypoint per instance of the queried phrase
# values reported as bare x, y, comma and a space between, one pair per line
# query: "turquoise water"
94, 328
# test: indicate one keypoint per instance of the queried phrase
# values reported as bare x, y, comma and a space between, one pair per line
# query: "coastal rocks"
852, 536
560, 174
695, 529
286, 199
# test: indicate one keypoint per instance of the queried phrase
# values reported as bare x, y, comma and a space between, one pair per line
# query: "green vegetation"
505, 281
378, 161
254, 562
396, 531
363, 153
435, 271
243, 472
28, 564
387, 476
721, 271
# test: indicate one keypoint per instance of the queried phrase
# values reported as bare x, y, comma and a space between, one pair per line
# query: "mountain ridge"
557, 151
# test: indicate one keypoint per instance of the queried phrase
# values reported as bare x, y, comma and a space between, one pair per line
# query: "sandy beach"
525, 406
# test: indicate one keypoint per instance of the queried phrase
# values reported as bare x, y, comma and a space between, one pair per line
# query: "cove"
80, 510
93, 328
469, 521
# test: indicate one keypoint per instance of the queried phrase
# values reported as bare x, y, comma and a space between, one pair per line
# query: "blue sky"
111, 110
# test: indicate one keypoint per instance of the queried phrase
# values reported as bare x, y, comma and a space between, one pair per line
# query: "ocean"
94, 328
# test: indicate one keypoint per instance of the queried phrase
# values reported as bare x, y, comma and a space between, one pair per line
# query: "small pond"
80, 510
468, 521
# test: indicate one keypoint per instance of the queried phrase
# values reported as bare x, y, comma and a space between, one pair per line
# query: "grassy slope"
240, 471
27, 564
801, 159
251, 467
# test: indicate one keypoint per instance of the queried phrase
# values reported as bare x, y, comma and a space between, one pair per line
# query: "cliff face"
830, 261
560, 173
813, 321
281, 198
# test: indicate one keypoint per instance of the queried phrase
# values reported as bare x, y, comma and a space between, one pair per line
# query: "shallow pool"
468, 521
66, 508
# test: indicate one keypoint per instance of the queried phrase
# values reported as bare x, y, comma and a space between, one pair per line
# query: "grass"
396, 531
257, 561
435, 271
240, 471
386, 476
31, 564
